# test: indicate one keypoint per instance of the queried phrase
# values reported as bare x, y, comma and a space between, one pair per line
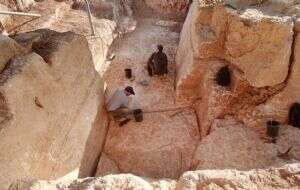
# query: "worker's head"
160, 48
129, 91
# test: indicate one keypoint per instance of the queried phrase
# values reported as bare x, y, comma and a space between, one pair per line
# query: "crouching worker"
158, 62
118, 104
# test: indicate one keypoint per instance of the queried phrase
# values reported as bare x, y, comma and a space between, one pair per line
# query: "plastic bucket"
138, 115
128, 73
273, 128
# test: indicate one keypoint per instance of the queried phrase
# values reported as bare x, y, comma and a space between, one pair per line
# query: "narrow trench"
157, 99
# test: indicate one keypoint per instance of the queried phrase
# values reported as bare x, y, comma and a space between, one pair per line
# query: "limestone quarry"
233, 73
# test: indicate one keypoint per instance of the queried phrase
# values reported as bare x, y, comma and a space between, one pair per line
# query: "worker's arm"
150, 60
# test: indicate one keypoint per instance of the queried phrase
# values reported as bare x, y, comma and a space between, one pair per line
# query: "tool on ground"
168, 109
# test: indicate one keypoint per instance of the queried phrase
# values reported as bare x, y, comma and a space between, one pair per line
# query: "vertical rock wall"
55, 99
259, 44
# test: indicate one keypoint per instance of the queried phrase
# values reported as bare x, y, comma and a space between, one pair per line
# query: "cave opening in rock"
223, 77
294, 115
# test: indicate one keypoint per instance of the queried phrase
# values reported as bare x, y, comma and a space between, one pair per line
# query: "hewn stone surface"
232, 145
255, 43
146, 149
263, 86
53, 106
278, 106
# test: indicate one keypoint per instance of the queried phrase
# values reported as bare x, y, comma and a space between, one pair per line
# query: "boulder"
55, 98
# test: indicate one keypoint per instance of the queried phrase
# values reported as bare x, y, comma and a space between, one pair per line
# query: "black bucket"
273, 128
138, 115
128, 73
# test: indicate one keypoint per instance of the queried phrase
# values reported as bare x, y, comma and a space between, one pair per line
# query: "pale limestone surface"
53, 106
283, 178
232, 145
260, 45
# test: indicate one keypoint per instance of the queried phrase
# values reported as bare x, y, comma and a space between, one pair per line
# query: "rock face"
286, 177
252, 42
258, 41
178, 6
52, 96
9, 50
18, 5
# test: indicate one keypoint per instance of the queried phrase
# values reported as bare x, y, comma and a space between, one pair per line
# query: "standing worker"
118, 105
158, 62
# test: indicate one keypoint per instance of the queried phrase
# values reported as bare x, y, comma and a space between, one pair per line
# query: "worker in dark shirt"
158, 62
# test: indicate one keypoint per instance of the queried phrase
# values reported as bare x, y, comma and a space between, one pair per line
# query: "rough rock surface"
9, 50
146, 149
18, 5
178, 6
284, 178
263, 86
53, 99
255, 43
232, 145
5, 20
278, 105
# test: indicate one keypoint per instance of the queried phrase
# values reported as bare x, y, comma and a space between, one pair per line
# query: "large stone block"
54, 105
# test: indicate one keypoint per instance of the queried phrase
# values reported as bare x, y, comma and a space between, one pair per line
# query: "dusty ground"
161, 139
133, 52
